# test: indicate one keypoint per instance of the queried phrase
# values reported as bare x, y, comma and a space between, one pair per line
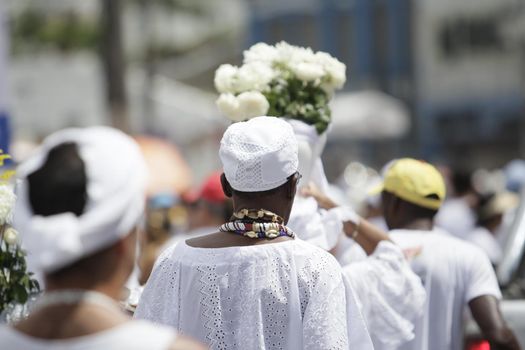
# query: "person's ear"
292, 188
226, 188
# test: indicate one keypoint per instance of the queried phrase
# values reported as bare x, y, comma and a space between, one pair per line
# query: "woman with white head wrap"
81, 198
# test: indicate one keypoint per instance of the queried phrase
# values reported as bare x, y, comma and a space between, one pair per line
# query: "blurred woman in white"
81, 198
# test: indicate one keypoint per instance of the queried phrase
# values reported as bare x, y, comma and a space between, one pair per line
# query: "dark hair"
59, 186
461, 181
420, 212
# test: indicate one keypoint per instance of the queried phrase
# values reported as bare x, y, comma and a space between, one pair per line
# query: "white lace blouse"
287, 295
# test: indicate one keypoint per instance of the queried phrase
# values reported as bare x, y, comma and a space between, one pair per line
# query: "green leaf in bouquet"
21, 294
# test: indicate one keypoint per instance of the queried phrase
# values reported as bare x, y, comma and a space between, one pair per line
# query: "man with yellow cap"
454, 273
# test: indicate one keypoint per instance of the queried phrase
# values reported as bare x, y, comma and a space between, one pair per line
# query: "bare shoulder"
185, 343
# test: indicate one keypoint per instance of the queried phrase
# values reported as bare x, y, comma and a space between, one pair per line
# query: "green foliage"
16, 283
291, 97
32, 29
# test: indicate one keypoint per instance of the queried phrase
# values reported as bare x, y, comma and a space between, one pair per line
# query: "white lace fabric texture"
394, 295
288, 295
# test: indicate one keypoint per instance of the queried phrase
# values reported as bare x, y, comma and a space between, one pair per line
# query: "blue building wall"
379, 54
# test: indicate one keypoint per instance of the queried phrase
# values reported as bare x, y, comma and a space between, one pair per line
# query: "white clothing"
453, 272
348, 251
286, 295
456, 217
488, 242
393, 296
320, 227
133, 335
114, 203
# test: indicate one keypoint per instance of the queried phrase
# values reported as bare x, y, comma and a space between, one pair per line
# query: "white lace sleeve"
159, 302
393, 296
327, 323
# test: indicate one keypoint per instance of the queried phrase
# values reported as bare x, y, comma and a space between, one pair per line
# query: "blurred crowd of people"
255, 257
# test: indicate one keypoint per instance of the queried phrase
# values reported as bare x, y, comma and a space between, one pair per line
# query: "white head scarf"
116, 181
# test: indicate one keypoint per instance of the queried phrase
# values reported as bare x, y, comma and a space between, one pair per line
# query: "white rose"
225, 78
337, 74
335, 70
252, 104
254, 76
11, 236
7, 201
229, 106
260, 52
290, 55
308, 71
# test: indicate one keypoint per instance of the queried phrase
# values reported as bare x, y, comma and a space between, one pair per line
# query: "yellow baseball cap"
415, 181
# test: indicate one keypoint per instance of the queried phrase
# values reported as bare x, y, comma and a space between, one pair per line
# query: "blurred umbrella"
169, 172
368, 115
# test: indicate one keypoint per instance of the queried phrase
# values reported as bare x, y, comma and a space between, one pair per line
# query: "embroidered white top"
287, 295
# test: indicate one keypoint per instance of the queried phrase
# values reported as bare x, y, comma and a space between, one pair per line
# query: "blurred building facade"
458, 64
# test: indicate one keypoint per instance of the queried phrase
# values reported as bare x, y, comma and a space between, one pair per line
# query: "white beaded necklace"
75, 296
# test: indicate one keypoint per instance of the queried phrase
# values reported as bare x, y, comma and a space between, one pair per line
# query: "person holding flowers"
253, 284
296, 84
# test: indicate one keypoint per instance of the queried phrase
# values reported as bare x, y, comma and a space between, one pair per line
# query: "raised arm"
486, 312
360, 230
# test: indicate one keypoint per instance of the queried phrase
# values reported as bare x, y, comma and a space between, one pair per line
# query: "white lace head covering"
116, 180
259, 154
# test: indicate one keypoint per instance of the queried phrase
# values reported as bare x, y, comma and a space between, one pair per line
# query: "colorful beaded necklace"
255, 223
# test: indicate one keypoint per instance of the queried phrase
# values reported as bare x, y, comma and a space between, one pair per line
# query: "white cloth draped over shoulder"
313, 224
133, 335
393, 296
287, 295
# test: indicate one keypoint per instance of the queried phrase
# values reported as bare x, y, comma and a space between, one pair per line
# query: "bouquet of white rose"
16, 283
281, 80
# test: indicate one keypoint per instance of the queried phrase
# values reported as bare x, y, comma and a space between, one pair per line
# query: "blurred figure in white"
455, 273
515, 175
491, 212
81, 199
457, 215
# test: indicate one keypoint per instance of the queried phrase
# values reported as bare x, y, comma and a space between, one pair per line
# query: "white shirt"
287, 295
133, 335
453, 272
456, 217
488, 242
393, 296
